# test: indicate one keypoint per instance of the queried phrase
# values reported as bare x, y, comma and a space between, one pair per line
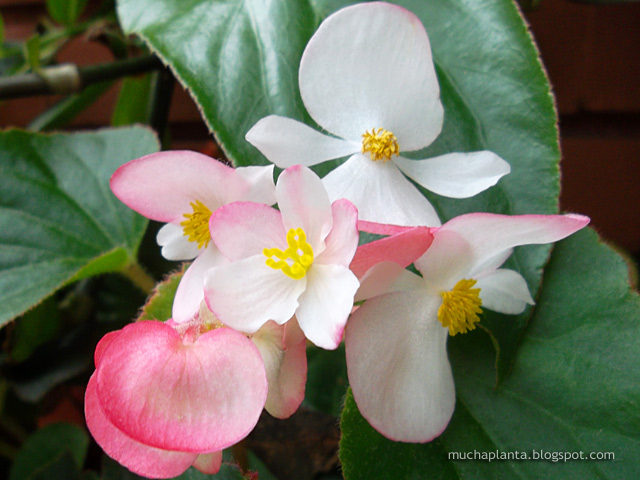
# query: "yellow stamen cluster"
460, 307
295, 260
380, 144
196, 225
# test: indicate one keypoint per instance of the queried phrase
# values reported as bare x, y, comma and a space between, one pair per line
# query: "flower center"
380, 144
460, 307
196, 225
295, 260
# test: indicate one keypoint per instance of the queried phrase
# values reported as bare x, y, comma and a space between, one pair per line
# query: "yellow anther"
460, 307
295, 260
380, 144
196, 225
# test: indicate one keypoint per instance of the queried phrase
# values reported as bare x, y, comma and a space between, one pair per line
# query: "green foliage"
133, 102
66, 12
59, 221
53, 452
160, 303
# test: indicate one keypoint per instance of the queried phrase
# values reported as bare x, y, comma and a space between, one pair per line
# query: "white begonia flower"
367, 77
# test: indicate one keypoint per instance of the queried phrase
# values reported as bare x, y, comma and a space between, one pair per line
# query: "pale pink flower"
396, 342
294, 261
182, 189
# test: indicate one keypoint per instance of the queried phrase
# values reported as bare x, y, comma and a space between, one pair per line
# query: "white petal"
370, 66
380, 192
398, 366
387, 277
504, 291
190, 292
456, 175
326, 303
262, 188
287, 142
304, 203
490, 234
246, 294
175, 246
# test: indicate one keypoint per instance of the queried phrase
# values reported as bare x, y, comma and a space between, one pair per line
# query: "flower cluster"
264, 281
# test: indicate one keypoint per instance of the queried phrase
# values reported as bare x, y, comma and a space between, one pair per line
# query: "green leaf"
66, 109
160, 303
1, 34
574, 386
35, 328
32, 52
46, 448
133, 102
326, 380
59, 221
238, 58
66, 12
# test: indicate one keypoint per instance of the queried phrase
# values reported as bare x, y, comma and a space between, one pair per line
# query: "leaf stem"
139, 277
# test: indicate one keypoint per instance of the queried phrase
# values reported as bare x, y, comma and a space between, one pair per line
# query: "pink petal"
162, 185
190, 292
381, 228
197, 397
103, 344
261, 189
244, 229
304, 203
246, 294
352, 77
342, 241
387, 277
286, 366
326, 303
208, 463
137, 457
403, 248
380, 192
398, 366
456, 175
287, 142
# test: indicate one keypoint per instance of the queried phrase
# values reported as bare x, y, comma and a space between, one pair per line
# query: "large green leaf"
574, 387
239, 59
59, 221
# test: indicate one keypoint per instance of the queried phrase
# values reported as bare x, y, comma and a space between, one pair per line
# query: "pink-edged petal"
286, 366
380, 192
491, 234
370, 66
381, 228
261, 187
456, 175
304, 203
504, 291
246, 294
342, 241
398, 366
244, 229
288, 142
161, 186
387, 277
103, 344
190, 292
208, 463
175, 245
326, 303
403, 248
193, 397
137, 457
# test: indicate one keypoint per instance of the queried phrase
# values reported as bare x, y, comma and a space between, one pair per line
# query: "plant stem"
69, 78
139, 277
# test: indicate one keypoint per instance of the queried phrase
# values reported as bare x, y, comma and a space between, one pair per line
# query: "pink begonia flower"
396, 342
292, 261
182, 188
367, 78
160, 402
284, 353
